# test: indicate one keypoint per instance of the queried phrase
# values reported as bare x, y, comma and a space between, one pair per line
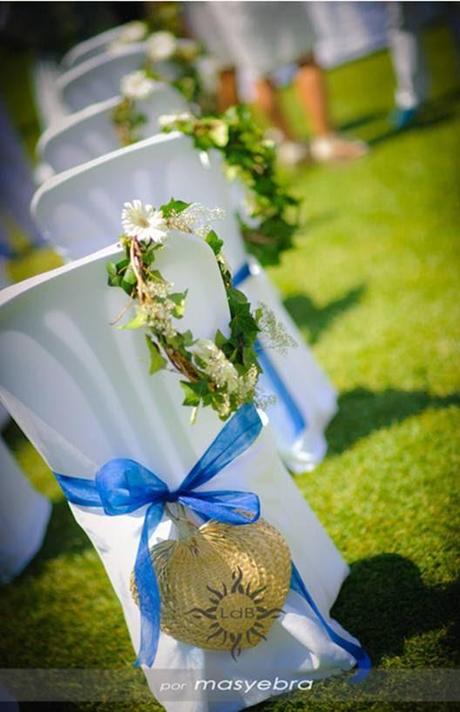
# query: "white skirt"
256, 36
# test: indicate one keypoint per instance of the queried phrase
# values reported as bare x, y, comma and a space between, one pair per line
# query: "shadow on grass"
435, 112
361, 412
384, 601
317, 319
432, 116
360, 121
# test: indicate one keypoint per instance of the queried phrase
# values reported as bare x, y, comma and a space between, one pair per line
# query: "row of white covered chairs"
79, 211
153, 171
81, 392
89, 133
94, 46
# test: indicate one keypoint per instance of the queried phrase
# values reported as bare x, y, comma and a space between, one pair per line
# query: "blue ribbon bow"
299, 424
122, 486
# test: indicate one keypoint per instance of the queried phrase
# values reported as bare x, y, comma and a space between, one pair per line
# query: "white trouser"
407, 56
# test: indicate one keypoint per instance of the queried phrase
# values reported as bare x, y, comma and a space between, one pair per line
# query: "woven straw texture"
222, 586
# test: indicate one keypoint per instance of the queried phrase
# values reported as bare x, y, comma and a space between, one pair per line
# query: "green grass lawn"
373, 285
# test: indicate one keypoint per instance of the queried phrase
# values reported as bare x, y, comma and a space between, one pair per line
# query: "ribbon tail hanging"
363, 660
148, 590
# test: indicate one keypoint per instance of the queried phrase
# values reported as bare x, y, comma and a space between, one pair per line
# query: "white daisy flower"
161, 46
144, 222
137, 85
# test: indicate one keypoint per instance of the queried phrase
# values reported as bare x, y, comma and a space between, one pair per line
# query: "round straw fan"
221, 586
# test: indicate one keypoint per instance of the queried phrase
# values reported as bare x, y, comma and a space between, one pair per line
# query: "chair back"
80, 388
90, 133
98, 78
79, 210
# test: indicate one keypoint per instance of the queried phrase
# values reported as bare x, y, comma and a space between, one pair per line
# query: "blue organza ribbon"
123, 486
270, 371
363, 660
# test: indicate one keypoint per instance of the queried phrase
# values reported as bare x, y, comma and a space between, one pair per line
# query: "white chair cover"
80, 212
98, 78
92, 47
80, 209
90, 133
80, 390
24, 515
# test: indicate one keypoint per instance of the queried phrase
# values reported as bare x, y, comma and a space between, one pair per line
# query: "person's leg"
267, 100
227, 92
408, 61
325, 145
312, 91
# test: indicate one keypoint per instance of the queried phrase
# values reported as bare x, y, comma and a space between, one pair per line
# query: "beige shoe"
291, 153
336, 148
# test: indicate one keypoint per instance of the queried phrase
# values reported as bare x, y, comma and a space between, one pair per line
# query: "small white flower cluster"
264, 400
224, 374
137, 85
134, 31
159, 288
160, 310
248, 383
274, 331
161, 46
197, 219
143, 222
167, 119
217, 366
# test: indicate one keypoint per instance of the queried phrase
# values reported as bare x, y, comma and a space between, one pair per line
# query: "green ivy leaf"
157, 362
137, 322
220, 340
174, 206
179, 303
111, 268
194, 393
187, 338
129, 277
214, 242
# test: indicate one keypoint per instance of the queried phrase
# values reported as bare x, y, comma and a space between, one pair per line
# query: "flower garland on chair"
182, 56
221, 373
273, 211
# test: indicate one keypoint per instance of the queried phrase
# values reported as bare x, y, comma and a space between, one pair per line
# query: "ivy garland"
181, 56
128, 120
221, 373
273, 211
182, 60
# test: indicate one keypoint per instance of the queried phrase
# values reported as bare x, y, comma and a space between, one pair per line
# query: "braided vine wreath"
221, 373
